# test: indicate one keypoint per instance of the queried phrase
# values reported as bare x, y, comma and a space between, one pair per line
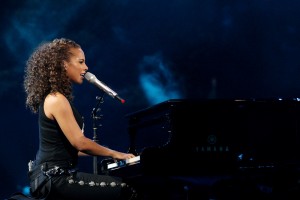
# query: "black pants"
81, 186
89, 186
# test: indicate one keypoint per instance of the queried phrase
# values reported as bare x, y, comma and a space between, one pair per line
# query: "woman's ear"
65, 65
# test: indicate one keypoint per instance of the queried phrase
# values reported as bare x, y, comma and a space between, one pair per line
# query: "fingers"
130, 156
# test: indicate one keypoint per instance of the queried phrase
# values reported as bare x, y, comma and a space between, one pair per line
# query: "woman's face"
76, 66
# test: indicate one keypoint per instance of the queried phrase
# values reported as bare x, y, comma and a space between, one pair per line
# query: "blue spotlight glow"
157, 80
26, 190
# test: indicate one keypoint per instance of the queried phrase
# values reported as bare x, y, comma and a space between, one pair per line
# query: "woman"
50, 72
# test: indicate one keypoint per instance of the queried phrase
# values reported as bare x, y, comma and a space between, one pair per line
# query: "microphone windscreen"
89, 76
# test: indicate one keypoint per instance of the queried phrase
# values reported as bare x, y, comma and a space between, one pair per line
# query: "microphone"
92, 79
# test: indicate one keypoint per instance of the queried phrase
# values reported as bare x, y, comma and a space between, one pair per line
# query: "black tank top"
53, 144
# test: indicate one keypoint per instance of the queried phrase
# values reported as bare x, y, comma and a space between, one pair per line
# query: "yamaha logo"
212, 147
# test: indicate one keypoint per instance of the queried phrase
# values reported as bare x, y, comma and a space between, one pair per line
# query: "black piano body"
196, 138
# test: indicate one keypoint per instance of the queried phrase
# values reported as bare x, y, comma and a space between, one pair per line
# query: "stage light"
26, 190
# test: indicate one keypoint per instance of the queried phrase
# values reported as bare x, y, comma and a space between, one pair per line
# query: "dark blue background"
147, 51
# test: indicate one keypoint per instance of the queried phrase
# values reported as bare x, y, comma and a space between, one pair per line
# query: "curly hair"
45, 72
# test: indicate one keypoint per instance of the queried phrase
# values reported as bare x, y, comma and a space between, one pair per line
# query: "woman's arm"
58, 108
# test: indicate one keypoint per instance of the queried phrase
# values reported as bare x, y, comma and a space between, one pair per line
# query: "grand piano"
192, 142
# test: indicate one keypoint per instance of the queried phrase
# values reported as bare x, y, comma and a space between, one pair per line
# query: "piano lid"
169, 104
266, 130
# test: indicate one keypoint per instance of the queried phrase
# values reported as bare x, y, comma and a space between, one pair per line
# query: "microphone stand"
95, 127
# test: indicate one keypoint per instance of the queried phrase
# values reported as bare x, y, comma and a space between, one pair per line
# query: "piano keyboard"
123, 163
